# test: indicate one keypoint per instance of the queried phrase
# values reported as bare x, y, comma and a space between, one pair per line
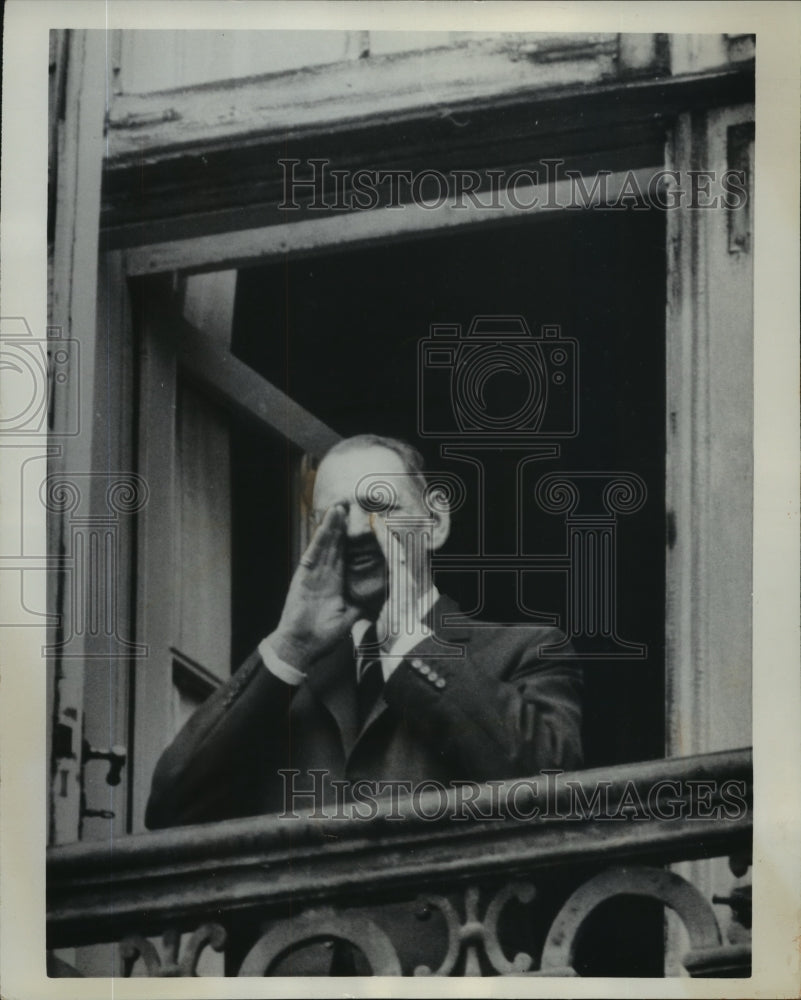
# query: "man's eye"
370, 506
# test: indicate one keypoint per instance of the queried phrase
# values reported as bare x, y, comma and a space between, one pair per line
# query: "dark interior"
339, 333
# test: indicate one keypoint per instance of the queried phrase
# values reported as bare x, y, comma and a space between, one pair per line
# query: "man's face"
337, 480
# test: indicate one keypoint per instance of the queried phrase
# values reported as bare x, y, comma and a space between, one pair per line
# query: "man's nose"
358, 522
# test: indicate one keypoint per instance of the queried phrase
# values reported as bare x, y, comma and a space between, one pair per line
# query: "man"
420, 698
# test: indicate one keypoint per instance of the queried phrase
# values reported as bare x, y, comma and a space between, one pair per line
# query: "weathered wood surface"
358, 229
327, 96
233, 383
189, 175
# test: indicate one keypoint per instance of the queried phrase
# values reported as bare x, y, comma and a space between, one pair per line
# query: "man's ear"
442, 527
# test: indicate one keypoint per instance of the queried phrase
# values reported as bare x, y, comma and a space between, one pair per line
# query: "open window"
338, 334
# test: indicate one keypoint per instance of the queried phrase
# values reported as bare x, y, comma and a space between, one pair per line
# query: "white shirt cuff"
283, 671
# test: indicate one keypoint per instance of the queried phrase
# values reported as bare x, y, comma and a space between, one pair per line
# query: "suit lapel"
333, 680
445, 638
442, 640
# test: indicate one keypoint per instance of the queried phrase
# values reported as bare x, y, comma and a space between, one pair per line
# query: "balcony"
498, 879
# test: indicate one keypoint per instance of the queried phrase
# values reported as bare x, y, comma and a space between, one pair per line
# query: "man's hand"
316, 614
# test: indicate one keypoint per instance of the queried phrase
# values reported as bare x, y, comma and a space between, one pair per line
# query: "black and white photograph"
388, 502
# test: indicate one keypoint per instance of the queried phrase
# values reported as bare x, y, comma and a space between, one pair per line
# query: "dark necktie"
371, 675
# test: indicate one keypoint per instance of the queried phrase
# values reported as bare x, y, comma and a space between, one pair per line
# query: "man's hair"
409, 455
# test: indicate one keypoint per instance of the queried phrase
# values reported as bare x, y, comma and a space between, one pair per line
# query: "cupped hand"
316, 613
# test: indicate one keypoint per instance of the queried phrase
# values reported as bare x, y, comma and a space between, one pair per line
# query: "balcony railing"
503, 878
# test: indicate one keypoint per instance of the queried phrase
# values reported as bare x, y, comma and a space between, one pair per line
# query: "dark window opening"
339, 333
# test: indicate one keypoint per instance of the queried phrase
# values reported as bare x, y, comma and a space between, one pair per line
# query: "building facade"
244, 224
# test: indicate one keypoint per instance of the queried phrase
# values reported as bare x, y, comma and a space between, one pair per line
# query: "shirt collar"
424, 606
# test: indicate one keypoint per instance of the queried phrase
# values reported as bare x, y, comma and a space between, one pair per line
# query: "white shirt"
390, 657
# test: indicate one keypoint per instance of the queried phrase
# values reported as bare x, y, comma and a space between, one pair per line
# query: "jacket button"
440, 683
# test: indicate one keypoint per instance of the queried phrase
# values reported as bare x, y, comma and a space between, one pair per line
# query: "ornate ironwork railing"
502, 878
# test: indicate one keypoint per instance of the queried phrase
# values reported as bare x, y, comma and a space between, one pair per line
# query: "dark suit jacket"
500, 710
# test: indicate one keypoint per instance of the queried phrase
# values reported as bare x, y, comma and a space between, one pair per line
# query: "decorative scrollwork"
59, 494
453, 926
135, 947
444, 493
126, 492
376, 494
624, 494
558, 953
127, 495
467, 936
523, 892
620, 492
381, 493
557, 494
322, 925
